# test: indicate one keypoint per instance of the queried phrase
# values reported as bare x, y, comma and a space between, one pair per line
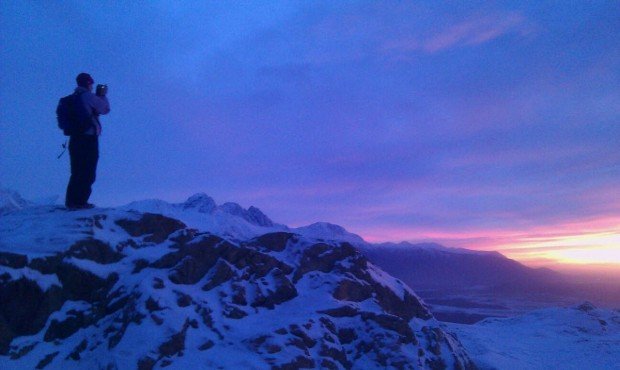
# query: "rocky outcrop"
156, 228
25, 308
252, 215
13, 260
274, 241
94, 250
159, 294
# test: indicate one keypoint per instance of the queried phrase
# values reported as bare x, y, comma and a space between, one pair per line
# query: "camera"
102, 90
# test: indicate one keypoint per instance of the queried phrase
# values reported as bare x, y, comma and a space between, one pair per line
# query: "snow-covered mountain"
581, 337
197, 285
234, 222
10, 201
462, 285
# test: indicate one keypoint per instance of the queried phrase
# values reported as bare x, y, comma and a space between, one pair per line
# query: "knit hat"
84, 79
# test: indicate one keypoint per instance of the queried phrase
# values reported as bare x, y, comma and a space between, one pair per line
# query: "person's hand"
102, 90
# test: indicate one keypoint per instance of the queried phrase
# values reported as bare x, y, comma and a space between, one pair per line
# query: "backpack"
73, 116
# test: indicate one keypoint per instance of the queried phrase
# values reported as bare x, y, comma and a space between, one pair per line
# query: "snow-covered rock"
126, 288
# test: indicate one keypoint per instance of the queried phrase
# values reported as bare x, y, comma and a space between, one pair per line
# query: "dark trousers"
84, 152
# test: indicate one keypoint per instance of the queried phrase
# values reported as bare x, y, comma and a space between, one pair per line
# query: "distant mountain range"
432, 266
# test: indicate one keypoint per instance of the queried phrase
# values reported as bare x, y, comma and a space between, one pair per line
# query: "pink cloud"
474, 31
494, 239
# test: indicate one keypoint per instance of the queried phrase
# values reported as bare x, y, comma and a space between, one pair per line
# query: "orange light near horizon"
586, 256
588, 244
595, 248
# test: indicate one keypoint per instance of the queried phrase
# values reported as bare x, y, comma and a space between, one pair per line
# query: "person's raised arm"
100, 104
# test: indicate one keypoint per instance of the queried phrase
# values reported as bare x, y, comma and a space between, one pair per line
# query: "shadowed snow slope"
429, 265
583, 337
220, 287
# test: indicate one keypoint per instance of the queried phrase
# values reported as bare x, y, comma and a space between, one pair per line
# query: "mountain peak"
258, 217
10, 200
200, 202
329, 231
232, 208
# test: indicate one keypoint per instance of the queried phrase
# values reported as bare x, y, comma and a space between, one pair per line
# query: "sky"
486, 125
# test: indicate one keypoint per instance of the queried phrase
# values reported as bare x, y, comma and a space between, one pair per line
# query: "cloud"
474, 31
478, 135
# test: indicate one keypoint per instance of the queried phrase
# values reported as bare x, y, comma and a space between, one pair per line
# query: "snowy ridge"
200, 211
327, 231
233, 221
126, 288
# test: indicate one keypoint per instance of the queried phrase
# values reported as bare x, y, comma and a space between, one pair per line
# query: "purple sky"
466, 122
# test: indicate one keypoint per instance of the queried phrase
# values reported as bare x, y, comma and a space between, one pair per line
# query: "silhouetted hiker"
84, 139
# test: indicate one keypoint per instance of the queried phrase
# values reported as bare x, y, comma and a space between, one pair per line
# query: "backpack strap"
90, 111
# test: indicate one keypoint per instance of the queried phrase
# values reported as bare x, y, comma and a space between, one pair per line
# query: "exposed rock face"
24, 308
156, 294
13, 260
253, 215
201, 202
156, 227
94, 250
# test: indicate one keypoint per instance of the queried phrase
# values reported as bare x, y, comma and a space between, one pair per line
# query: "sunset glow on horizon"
572, 249
574, 245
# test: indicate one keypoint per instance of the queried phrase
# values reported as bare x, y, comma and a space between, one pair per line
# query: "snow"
327, 231
102, 271
44, 281
391, 282
31, 232
552, 338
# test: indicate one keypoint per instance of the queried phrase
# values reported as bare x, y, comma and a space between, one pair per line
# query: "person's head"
84, 80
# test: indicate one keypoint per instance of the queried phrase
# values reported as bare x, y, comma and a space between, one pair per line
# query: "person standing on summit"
84, 147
